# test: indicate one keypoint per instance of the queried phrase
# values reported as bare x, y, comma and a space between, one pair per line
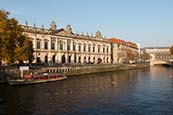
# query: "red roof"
122, 42
131, 44
118, 41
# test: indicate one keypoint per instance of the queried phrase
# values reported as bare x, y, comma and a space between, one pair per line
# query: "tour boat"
39, 78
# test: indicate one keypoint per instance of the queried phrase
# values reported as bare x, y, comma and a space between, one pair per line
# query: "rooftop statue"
68, 29
35, 27
42, 28
52, 26
26, 25
98, 34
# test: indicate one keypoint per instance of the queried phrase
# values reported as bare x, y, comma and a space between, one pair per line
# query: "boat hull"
34, 81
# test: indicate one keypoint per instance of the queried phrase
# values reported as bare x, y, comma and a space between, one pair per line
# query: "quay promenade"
71, 70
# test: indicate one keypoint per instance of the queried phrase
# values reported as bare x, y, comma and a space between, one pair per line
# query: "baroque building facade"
63, 46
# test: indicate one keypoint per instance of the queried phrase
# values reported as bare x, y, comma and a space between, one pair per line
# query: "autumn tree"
131, 55
14, 45
145, 56
171, 50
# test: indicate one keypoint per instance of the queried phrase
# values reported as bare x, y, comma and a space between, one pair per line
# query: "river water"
146, 91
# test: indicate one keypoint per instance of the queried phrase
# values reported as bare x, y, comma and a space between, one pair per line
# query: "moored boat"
39, 78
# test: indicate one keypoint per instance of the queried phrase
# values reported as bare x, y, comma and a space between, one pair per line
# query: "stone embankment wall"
79, 70
72, 70
6, 72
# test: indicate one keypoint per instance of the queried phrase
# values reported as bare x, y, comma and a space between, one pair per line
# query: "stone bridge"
159, 55
161, 62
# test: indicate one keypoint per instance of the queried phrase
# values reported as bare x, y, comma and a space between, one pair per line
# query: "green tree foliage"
14, 45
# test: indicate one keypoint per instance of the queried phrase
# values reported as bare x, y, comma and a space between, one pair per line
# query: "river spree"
146, 91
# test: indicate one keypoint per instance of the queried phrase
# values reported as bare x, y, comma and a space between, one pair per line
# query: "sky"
147, 22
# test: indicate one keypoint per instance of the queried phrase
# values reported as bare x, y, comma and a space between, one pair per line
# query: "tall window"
75, 58
84, 58
88, 59
84, 47
93, 48
89, 48
98, 49
79, 47
53, 40
68, 46
103, 49
94, 59
79, 59
61, 46
38, 44
52, 45
38, 60
45, 45
74, 47
107, 49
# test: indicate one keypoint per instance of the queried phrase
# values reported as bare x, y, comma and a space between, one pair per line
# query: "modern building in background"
63, 46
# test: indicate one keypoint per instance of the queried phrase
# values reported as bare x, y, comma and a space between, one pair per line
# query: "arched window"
69, 59
99, 60
104, 49
107, 50
63, 59
89, 60
46, 59
98, 48
53, 58
93, 59
79, 59
38, 60
93, 47
84, 58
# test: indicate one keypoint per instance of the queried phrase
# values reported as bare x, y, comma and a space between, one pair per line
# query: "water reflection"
171, 75
123, 92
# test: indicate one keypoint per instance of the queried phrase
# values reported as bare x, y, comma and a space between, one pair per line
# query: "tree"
131, 55
145, 56
171, 50
14, 45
